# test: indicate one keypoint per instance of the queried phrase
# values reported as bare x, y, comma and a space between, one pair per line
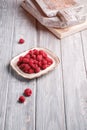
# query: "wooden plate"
14, 61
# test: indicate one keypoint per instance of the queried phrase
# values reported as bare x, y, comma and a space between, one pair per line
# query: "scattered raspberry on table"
21, 41
21, 99
34, 61
27, 92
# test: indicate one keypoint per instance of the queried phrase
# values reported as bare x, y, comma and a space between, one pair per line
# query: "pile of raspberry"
34, 61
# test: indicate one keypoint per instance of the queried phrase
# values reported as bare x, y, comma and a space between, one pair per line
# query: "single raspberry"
49, 60
18, 63
25, 60
33, 56
32, 65
39, 57
27, 92
31, 60
22, 66
30, 52
36, 52
49, 63
27, 56
21, 58
37, 70
44, 55
40, 64
44, 67
35, 62
21, 41
30, 71
21, 99
41, 52
44, 61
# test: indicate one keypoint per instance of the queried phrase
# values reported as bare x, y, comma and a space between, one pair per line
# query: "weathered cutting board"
60, 33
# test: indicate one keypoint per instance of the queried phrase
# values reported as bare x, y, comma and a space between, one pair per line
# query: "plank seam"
63, 88
83, 54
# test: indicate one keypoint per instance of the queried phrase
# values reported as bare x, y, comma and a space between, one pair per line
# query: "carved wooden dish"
50, 54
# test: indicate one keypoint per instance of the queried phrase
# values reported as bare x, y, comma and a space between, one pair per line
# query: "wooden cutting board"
61, 33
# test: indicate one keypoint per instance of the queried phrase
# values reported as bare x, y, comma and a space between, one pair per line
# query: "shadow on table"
16, 76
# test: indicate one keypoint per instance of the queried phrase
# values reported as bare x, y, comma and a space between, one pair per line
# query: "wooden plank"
21, 116
84, 43
6, 37
50, 104
73, 75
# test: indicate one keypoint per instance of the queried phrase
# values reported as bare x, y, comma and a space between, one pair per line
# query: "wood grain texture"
73, 74
50, 105
20, 116
56, 101
6, 38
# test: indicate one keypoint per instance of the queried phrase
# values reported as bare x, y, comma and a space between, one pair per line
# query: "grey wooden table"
58, 101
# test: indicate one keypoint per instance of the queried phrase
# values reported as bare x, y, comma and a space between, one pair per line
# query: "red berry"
36, 52
35, 62
18, 63
27, 56
44, 67
41, 52
40, 64
49, 60
44, 55
27, 92
21, 41
33, 56
31, 71
21, 99
39, 57
49, 63
30, 52
25, 60
21, 58
37, 70
44, 61
22, 66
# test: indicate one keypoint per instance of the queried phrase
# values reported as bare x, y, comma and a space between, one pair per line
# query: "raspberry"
49, 60
37, 70
35, 62
22, 66
21, 59
44, 61
30, 52
27, 92
36, 52
25, 60
41, 52
21, 41
18, 63
39, 57
31, 71
44, 55
31, 60
44, 67
33, 56
49, 63
21, 99
40, 64
27, 56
